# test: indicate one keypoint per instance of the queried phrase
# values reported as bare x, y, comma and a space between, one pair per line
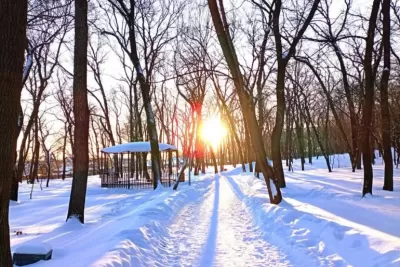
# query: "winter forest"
199, 133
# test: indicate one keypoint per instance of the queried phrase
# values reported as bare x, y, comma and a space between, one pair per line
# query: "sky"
112, 68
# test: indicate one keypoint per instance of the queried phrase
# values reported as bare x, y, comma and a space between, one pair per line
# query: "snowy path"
217, 230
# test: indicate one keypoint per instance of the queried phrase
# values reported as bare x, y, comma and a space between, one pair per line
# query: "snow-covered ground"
222, 220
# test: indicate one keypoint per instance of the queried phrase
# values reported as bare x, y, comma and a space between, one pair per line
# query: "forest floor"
220, 220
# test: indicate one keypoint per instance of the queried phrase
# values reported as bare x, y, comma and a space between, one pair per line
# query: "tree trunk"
287, 136
300, 142
221, 157
277, 131
385, 113
48, 168
81, 113
290, 143
199, 143
368, 101
13, 16
309, 144
248, 145
141, 158
63, 154
214, 160
35, 159
145, 90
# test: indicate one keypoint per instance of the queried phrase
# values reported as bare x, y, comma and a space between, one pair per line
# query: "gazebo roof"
136, 147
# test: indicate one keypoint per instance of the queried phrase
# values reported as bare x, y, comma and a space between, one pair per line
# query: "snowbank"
34, 248
136, 243
119, 224
323, 220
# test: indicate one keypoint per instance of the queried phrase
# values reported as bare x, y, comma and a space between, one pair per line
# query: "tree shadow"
208, 254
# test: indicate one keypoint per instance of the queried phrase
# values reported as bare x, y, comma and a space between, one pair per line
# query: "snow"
386, 69
136, 147
220, 220
139, 69
27, 67
34, 248
324, 218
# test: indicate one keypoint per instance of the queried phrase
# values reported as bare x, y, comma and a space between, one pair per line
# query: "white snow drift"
222, 220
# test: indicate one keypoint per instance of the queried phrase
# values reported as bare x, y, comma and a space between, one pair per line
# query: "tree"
97, 59
45, 47
283, 56
331, 32
131, 14
13, 19
42, 17
225, 40
385, 113
64, 100
81, 114
370, 75
190, 61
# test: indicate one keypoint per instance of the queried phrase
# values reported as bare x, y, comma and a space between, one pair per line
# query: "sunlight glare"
213, 131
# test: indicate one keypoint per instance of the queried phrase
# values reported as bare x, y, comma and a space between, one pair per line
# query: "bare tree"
332, 32
370, 75
284, 52
190, 64
385, 113
64, 98
47, 48
139, 18
224, 38
13, 19
81, 114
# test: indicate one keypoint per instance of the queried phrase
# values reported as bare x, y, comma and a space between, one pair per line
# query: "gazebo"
126, 165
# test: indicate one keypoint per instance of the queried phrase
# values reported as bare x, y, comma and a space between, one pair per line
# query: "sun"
213, 131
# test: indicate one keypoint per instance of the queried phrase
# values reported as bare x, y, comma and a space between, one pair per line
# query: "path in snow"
217, 230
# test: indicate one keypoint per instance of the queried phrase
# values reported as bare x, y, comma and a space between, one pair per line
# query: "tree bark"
300, 139
368, 101
35, 158
151, 126
248, 145
214, 160
63, 152
81, 114
385, 113
13, 19
277, 131
309, 143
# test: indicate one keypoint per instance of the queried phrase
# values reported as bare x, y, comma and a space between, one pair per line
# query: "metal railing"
133, 180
